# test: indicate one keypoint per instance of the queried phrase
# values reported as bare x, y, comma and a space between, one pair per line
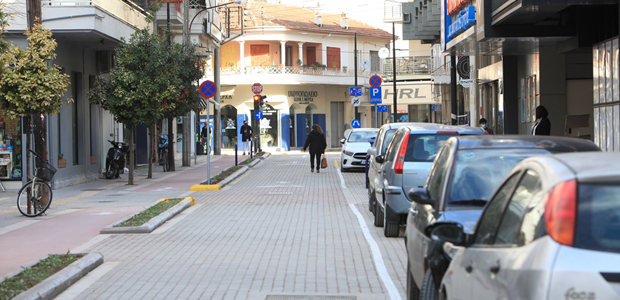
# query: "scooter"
115, 161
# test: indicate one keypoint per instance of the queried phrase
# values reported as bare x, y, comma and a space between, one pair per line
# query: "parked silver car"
465, 175
385, 135
354, 148
409, 157
552, 231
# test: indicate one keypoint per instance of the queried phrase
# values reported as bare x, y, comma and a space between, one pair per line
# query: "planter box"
153, 223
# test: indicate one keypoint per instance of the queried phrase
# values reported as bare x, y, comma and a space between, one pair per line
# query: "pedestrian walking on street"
246, 135
205, 133
317, 144
542, 125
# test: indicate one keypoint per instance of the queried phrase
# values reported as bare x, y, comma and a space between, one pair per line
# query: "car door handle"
469, 269
494, 269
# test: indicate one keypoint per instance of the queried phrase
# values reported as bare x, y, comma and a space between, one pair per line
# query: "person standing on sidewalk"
317, 143
206, 131
246, 135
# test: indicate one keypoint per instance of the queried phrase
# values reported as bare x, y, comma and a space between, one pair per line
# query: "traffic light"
258, 101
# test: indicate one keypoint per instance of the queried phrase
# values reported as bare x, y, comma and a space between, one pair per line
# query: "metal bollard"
235, 153
367, 170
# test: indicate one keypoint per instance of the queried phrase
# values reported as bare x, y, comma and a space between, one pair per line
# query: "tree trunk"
152, 146
131, 152
39, 129
26, 125
170, 145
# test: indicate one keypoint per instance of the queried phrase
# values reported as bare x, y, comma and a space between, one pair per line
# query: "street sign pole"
376, 116
208, 145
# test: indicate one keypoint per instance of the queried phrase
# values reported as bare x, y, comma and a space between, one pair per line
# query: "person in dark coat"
205, 133
317, 145
246, 135
542, 125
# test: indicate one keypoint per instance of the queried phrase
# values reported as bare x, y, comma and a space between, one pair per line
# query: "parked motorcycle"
115, 161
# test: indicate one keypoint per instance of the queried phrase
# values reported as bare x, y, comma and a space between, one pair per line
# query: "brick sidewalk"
277, 230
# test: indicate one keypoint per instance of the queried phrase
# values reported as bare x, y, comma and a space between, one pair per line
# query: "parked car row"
498, 217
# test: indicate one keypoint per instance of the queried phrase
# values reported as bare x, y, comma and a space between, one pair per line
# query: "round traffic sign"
257, 88
258, 115
356, 123
355, 101
208, 89
375, 81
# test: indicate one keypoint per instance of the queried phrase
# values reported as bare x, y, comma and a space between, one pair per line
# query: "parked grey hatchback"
465, 175
552, 231
408, 159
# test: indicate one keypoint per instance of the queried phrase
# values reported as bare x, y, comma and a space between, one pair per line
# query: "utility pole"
187, 128
355, 68
453, 96
170, 119
217, 110
394, 68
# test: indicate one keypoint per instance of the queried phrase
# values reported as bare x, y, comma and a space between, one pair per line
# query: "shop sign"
303, 97
465, 20
408, 94
455, 5
466, 83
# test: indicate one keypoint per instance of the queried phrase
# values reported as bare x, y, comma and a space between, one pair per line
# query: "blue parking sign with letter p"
375, 95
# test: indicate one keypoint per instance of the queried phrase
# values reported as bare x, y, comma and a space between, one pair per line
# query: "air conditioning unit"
105, 61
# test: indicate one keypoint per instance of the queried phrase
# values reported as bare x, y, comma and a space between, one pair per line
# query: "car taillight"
486, 133
561, 212
400, 159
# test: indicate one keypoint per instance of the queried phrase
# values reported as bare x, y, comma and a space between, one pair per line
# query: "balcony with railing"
408, 65
115, 18
289, 75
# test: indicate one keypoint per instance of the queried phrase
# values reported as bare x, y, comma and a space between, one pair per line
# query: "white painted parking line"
374, 248
86, 281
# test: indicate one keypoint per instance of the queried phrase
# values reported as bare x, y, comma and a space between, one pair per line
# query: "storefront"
10, 148
414, 102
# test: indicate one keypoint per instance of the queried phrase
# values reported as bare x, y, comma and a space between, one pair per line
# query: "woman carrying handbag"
317, 144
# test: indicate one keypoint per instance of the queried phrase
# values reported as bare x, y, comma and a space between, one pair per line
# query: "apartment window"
333, 58
260, 55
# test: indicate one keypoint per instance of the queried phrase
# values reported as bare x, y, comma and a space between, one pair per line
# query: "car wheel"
429, 291
378, 215
371, 201
390, 228
413, 292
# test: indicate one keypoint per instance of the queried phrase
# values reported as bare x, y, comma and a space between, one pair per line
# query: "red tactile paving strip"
55, 235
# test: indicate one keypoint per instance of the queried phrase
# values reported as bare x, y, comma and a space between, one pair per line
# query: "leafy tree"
29, 85
151, 80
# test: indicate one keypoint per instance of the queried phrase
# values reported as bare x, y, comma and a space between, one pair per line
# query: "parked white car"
552, 231
354, 148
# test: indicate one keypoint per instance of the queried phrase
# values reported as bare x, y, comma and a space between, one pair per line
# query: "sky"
368, 11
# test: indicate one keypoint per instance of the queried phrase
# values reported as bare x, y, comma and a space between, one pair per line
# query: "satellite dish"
365, 64
384, 53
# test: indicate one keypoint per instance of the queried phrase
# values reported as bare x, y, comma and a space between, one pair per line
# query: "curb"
61, 280
254, 163
265, 155
152, 223
205, 187
233, 176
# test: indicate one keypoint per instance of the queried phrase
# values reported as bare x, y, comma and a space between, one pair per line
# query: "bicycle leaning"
35, 196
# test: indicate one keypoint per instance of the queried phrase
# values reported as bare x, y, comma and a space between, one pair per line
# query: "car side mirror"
446, 232
379, 159
342, 141
420, 196
371, 151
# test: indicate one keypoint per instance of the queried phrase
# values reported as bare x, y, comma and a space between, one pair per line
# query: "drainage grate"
93, 190
308, 297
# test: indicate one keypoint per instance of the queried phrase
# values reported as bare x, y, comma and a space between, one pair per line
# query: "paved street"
277, 230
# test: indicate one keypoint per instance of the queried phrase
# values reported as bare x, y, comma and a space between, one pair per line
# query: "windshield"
424, 147
361, 136
388, 137
598, 217
478, 173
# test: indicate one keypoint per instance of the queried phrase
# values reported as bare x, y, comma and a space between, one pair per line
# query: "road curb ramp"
153, 223
54, 285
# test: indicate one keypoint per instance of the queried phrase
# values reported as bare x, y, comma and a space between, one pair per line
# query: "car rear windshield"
478, 173
598, 217
424, 147
361, 136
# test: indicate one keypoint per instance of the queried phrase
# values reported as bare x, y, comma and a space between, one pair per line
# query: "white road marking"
86, 281
374, 249
18, 225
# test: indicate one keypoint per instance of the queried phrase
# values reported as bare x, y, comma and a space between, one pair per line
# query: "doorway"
337, 123
491, 107
310, 55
